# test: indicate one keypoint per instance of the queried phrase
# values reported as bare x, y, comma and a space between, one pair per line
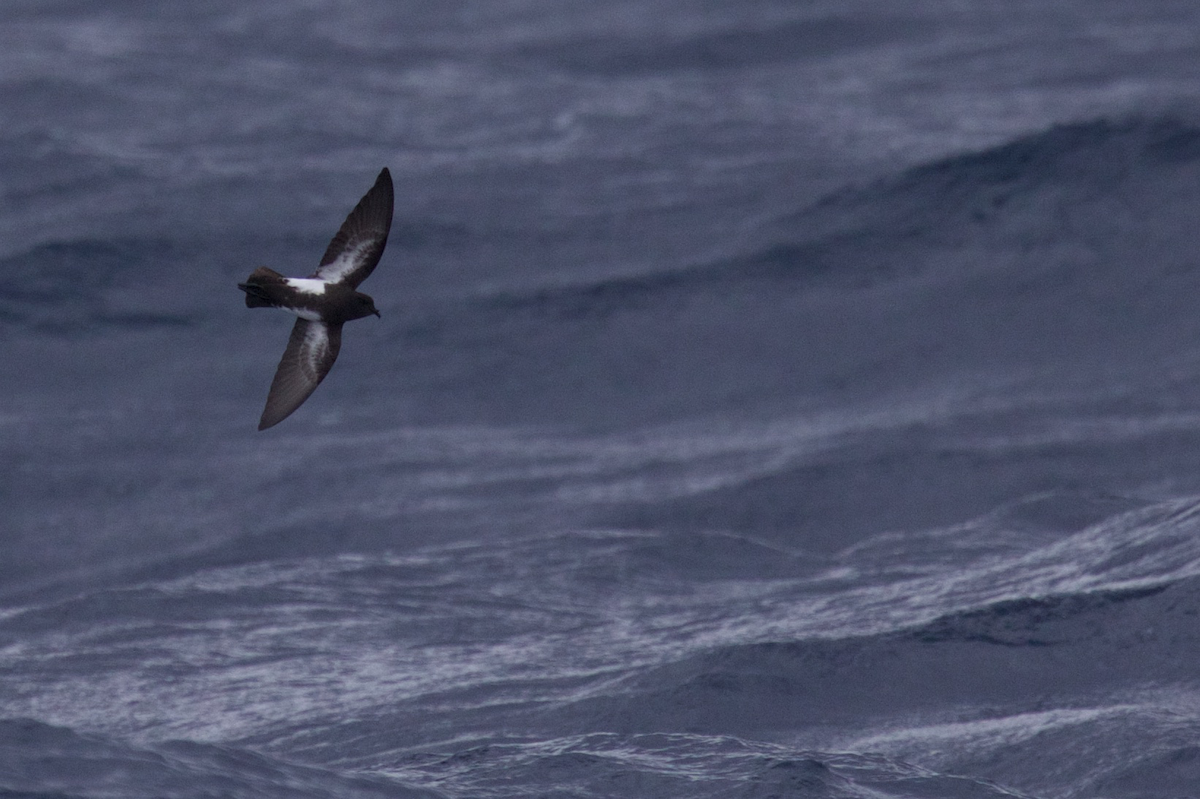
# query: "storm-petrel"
324, 301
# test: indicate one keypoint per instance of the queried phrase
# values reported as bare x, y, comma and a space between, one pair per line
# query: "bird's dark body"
324, 301
338, 304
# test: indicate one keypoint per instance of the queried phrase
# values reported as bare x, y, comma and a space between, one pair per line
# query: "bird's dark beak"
376, 313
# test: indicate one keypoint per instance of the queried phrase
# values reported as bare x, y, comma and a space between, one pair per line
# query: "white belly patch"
304, 313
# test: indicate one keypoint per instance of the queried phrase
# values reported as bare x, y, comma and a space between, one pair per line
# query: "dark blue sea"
770, 399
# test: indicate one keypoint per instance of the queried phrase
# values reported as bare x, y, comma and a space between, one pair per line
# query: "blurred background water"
780, 399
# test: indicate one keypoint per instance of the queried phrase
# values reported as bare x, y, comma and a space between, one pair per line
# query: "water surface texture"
770, 399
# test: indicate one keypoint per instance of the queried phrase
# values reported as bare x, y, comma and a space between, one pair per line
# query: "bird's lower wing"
310, 353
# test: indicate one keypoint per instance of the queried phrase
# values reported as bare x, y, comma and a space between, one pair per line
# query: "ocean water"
770, 399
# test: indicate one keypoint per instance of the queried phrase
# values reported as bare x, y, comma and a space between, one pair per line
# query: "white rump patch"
309, 285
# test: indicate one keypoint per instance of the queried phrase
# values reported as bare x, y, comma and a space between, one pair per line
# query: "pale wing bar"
311, 351
355, 250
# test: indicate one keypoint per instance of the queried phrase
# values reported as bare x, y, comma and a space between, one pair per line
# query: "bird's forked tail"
258, 287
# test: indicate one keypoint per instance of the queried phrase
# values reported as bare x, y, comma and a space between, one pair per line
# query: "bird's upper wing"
310, 353
357, 246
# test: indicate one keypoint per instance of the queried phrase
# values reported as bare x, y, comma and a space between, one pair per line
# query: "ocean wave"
365, 653
708, 49
1048, 212
944, 200
1008, 196
43, 760
40, 758
1066, 651
683, 765
599, 625
79, 287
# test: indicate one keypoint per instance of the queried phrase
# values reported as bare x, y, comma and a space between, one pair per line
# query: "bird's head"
364, 306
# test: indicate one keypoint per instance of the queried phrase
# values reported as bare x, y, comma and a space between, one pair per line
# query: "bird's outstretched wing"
358, 244
310, 353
